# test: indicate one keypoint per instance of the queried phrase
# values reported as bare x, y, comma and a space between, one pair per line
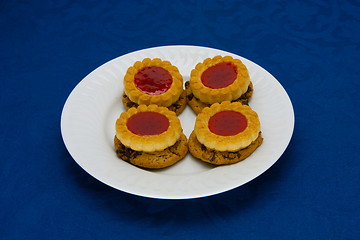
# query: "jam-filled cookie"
216, 80
225, 133
154, 81
150, 137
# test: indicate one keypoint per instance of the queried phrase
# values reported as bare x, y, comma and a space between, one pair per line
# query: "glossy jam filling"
219, 76
153, 80
148, 123
227, 123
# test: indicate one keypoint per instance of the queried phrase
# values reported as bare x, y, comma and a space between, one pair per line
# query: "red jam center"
153, 80
148, 123
219, 76
227, 123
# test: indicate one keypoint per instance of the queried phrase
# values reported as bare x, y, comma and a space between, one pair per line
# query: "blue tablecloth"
312, 48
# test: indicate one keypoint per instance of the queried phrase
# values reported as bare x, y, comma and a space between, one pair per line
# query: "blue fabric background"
311, 47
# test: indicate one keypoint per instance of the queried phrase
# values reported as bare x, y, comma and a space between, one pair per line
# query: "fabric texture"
311, 47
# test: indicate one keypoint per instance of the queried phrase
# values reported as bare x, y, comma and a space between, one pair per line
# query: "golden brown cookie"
197, 106
227, 126
156, 159
218, 79
215, 157
177, 107
154, 81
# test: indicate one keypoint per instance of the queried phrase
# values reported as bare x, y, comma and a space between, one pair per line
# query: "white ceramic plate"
88, 127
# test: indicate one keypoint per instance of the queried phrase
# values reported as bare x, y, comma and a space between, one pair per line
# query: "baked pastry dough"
197, 106
219, 79
214, 157
156, 159
230, 133
153, 81
148, 128
177, 107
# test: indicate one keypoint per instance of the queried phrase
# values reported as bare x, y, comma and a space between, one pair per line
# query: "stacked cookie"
149, 133
216, 80
153, 81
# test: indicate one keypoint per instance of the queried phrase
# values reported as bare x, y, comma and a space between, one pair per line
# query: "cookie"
215, 157
154, 81
156, 159
225, 133
197, 106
